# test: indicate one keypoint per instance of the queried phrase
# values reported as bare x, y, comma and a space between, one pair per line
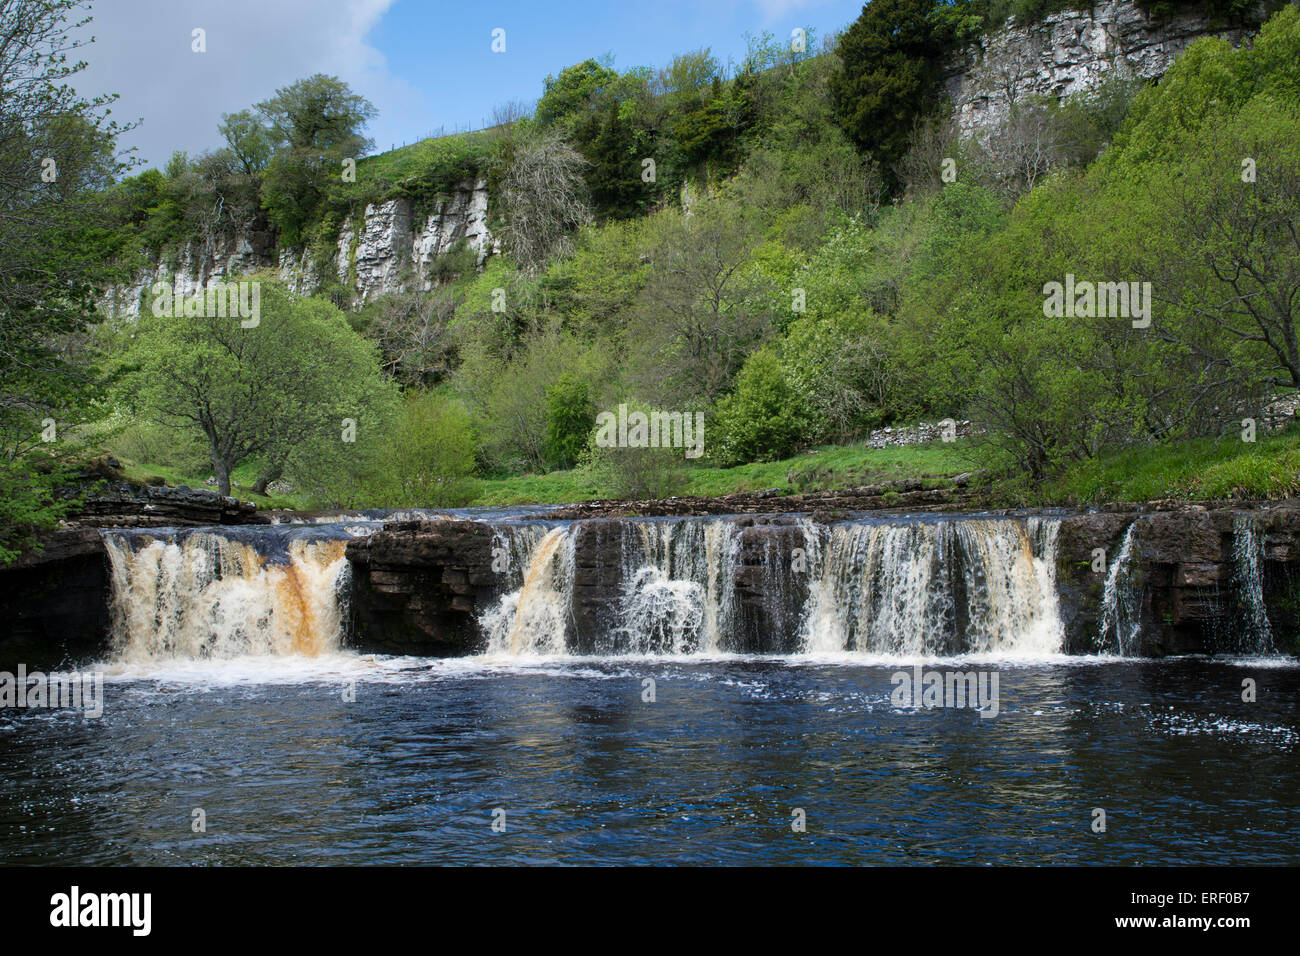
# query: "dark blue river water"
586, 771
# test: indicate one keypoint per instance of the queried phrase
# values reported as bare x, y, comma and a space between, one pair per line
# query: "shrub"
761, 420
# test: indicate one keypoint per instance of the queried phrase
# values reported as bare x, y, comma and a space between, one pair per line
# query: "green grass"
1191, 470
1197, 469
820, 469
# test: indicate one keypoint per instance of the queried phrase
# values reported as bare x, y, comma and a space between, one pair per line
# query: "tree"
761, 420
891, 74
576, 90
1221, 246
248, 138
702, 310
614, 176
544, 198
413, 332
839, 373
314, 125
56, 152
570, 417
300, 374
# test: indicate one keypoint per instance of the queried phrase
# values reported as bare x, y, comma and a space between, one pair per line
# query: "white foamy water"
926, 588
206, 596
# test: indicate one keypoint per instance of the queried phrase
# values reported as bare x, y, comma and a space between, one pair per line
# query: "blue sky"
425, 64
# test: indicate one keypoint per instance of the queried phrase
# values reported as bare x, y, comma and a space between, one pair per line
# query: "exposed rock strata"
1070, 52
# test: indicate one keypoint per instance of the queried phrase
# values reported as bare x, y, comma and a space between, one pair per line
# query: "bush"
762, 419
419, 455
635, 474
570, 416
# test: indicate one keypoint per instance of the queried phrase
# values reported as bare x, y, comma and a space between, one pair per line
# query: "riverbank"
1195, 470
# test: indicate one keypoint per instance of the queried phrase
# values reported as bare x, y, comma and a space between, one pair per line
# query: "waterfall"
532, 618
204, 595
679, 586
935, 587
910, 587
1121, 602
1248, 573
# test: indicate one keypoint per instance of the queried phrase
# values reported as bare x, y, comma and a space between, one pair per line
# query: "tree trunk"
271, 474
222, 470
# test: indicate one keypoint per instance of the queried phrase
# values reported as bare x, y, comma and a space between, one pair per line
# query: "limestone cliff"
1067, 53
384, 247
381, 250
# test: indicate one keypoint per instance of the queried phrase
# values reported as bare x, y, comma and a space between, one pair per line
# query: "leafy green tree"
761, 419
299, 374
570, 417
248, 138
703, 308
314, 124
614, 173
56, 153
419, 454
575, 91
841, 374
891, 74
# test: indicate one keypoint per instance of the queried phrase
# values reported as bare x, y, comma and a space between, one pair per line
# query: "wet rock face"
418, 587
54, 602
1187, 576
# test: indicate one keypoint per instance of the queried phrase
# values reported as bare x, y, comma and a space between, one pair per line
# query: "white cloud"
142, 52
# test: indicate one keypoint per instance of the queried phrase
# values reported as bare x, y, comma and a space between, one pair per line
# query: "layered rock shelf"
1192, 578
419, 587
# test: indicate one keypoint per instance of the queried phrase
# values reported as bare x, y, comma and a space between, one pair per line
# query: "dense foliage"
812, 251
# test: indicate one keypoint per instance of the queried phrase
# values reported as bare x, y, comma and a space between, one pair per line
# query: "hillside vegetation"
798, 249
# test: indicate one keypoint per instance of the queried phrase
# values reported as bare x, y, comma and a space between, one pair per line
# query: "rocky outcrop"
383, 249
417, 586
1070, 52
126, 505
909, 494
54, 602
1184, 576
54, 598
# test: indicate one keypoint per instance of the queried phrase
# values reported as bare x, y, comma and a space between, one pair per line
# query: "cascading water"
679, 589
203, 595
676, 596
935, 587
532, 618
1121, 602
1248, 573
912, 587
